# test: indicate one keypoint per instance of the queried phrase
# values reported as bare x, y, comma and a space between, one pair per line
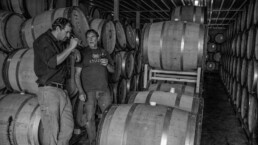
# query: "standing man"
91, 78
51, 69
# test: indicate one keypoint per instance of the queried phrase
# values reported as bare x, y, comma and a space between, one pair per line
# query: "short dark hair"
61, 22
92, 31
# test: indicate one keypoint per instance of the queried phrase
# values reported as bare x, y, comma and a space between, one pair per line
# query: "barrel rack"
177, 76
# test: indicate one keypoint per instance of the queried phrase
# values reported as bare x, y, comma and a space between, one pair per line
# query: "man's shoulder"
43, 37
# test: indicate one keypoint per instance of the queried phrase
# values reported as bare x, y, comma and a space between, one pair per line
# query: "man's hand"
104, 61
73, 42
83, 97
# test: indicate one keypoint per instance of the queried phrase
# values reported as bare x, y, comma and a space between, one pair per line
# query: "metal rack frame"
177, 76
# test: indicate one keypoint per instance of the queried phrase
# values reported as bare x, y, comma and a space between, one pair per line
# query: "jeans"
103, 99
56, 116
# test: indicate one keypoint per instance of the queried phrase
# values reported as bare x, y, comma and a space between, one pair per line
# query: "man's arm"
64, 54
82, 95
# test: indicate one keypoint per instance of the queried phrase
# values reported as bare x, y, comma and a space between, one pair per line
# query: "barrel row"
244, 20
243, 44
20, 33
245, 103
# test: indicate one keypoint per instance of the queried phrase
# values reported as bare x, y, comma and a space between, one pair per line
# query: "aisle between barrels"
220, 124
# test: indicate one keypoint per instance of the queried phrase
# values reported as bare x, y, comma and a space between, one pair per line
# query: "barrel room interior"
169, 72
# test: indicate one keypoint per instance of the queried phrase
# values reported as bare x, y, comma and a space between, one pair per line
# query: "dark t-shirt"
94, 76
46, 47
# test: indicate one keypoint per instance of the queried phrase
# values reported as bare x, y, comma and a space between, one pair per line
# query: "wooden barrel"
60, 4
211, 66
252, 76
233, 46
244, 104
238, 69
29, 8
251, 43
234, 70
190, 14
137, 39
134, 81
230, 84
238, 21
256, 44
117, 57
33, 28
252, 113
217, 57
243, 47
212, 47
114, 90
120, 35
250, 14
176, 100
184, 88
79, 112
10, 24
144, 124
138, 62
238, 45
127, 64
238, 97
107, 33
220, 38
209, 56
18, 71
244, 72
20, 119
130, 37
234, 91
84, 8
2, 59
121, 91
256, 12
243, 19
94, 13
160, 46
231, 65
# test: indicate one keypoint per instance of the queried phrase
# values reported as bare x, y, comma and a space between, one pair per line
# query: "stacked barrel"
239, 69
22, 26
166, 112
213, 54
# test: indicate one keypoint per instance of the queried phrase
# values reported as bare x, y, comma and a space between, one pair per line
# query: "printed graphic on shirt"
96, 57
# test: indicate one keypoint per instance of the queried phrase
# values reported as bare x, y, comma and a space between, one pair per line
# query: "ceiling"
220, 13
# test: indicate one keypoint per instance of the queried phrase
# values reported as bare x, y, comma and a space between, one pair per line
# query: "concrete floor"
220, 124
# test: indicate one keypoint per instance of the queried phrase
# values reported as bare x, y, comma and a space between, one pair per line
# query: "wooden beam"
116, 10
137, 20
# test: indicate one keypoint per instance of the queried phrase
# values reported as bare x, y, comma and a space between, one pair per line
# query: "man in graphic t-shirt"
91, 78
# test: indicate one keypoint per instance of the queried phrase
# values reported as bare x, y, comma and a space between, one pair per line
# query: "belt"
52, 84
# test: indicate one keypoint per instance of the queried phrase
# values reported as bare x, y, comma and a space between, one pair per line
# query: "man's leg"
104, 100
49, 114
90, 114
66, 119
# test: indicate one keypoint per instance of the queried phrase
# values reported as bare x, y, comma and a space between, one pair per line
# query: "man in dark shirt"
50, 67
91, 78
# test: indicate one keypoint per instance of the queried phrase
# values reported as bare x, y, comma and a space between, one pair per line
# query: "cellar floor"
220, 124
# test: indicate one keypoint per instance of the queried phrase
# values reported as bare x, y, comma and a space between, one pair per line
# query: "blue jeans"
103, 99
56, 115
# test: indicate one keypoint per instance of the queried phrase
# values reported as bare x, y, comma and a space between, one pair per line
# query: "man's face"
92, 40
65, 33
